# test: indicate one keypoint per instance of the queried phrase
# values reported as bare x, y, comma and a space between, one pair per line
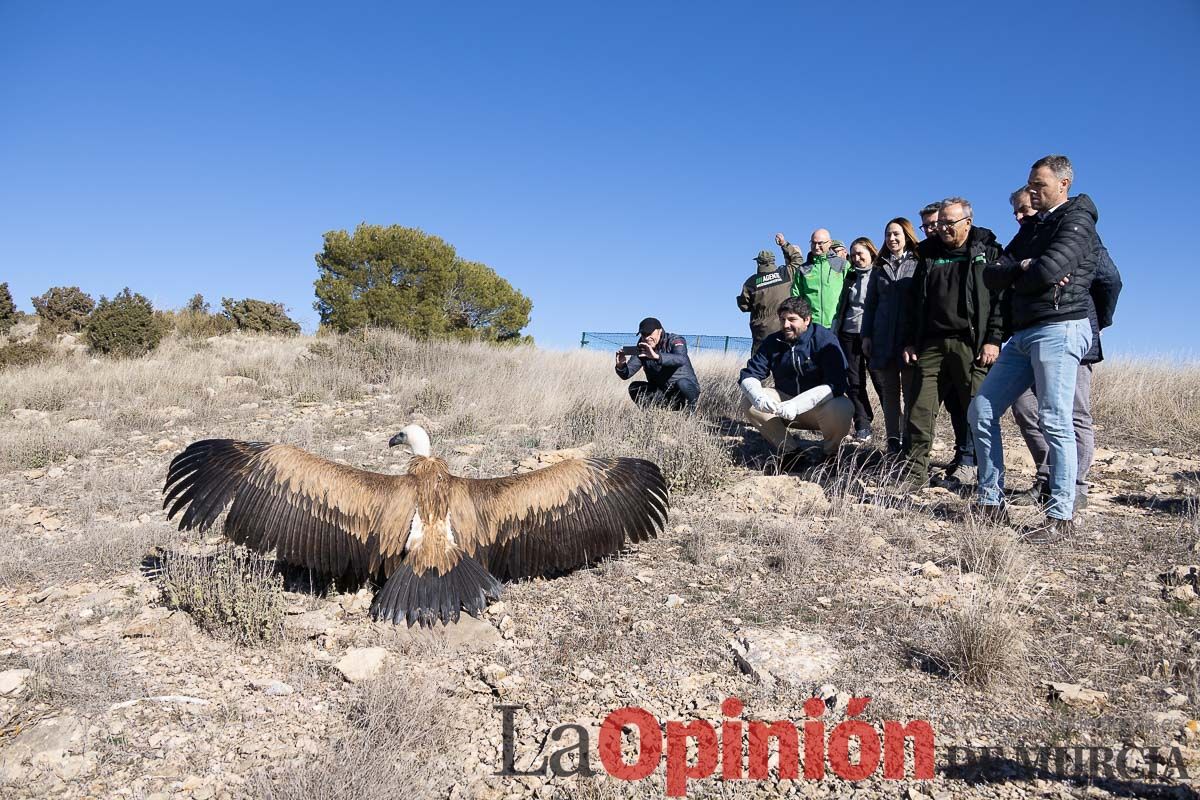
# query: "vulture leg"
426, 597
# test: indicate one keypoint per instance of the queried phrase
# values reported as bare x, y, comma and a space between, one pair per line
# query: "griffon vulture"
437, 542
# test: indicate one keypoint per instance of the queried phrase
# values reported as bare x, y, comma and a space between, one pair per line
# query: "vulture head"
414, 438
436, 543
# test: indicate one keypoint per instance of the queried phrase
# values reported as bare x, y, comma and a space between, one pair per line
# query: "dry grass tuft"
84, 679
1149, 401
234, 593
389, 747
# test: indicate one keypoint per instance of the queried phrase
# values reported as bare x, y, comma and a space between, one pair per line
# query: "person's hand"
766, 405
780, 239
1066, 279
910, 355
988, 355
866, 347
622, 359
646, 351
1025, 264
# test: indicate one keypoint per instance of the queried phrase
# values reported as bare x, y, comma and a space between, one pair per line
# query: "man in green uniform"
761, 295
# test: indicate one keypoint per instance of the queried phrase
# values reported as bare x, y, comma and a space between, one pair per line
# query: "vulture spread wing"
560, 517
310, 511
440, 541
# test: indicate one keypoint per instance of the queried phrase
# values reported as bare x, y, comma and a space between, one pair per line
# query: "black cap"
648, 326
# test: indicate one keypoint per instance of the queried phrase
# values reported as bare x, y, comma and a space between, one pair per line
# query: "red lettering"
894, 737
678, 769
649, 743
731, 740
760, 749
868, 750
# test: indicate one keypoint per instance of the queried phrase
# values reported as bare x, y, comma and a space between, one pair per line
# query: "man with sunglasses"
955, 327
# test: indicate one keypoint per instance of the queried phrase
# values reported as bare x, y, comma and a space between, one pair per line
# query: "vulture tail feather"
428, 597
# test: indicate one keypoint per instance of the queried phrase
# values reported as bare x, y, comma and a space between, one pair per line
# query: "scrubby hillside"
140, 662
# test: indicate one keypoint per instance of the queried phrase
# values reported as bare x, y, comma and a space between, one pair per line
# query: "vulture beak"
397, 439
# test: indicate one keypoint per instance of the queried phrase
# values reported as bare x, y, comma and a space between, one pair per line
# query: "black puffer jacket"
1106, 288
1063, 244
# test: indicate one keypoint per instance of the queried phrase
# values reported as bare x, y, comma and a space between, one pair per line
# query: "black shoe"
946, 482
993, 515
863, 434
894, 448
1036, 495
1049, 531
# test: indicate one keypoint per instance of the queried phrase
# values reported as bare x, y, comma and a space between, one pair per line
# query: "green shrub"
8, 309
234, 593
259, 316
195, 321
124, 326
63, 309
22, 354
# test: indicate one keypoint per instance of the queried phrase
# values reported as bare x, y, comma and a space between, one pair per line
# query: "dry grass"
86, 679
389, 747
1149, 401
233, 593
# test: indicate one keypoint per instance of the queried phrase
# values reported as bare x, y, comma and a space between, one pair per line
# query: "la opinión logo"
739, 749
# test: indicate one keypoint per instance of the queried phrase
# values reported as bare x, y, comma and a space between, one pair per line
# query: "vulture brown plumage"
438, 543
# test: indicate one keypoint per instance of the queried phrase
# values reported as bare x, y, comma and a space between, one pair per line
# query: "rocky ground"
771, 589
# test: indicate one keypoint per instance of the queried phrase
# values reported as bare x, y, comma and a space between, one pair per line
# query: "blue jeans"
1047, 355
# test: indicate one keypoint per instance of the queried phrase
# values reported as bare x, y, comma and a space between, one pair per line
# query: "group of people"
952, 319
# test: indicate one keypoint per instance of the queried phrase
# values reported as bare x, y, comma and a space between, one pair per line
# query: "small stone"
55, 472
931, 570
1076, 696
272, 688
586, 675
51, 523
674, 601
493, 674
1158, 451
163, 445
12, 681
361, 663
876, 543
827, 602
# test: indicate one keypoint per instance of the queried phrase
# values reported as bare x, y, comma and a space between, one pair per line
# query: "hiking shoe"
963, 473
991, 514
863, 434
1036, 495
1049, 531
894, 448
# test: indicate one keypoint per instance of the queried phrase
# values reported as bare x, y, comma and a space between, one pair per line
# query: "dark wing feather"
310, 511
558, 518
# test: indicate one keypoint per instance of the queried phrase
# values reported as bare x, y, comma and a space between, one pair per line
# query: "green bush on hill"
259, 316
62, 309
8, 309
125, 326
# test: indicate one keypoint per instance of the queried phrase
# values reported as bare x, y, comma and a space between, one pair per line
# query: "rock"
361, 663
272, 688
931, 570
783, 655
508, 628
238, 382
1158, 451
471, 634
33, 474
309, 624
876, 543
83, 424
1186, 594
12, 681
150, 622
50, 523
164, 446
674, 601
29, 415
469, 449
1076, 696
781, 494
493, 674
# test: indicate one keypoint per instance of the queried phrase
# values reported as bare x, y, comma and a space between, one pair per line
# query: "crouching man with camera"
670, 379
810, 383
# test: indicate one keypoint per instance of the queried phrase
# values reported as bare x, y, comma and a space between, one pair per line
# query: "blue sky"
611, 161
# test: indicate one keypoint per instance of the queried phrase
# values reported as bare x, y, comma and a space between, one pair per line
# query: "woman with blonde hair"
848, 325
884, 323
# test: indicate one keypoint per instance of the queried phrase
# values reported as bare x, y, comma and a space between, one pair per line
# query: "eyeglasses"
821, 244
929, 226
949, 223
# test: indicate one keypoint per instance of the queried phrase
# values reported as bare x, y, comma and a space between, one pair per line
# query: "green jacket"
819, 280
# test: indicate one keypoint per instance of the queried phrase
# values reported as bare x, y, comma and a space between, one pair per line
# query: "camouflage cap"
836, 244
765, 257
